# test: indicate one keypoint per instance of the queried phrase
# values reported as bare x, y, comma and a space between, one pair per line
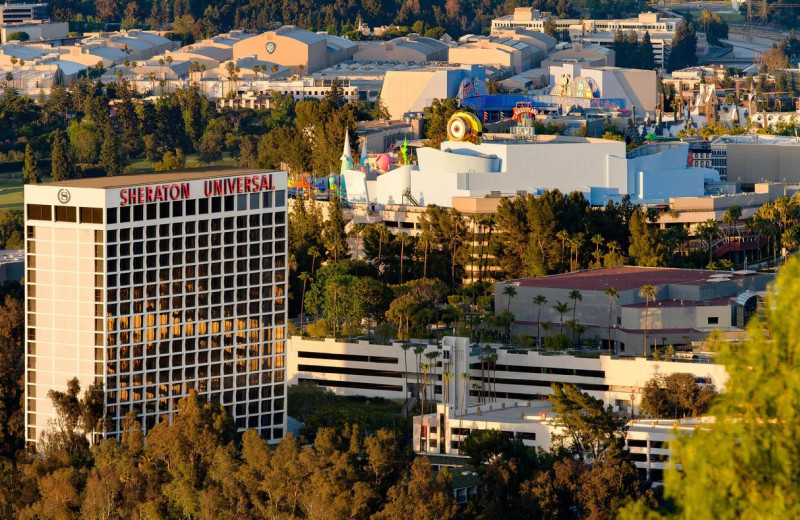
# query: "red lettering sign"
145, 194
230, 186
164, 192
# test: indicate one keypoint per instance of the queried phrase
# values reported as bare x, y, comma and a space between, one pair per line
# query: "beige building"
405, 48
515, 49
155, 285
412, 90
37, 30
586, 54
297, 49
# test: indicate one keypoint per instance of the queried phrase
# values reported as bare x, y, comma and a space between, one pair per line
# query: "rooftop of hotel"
193, 174
628, 277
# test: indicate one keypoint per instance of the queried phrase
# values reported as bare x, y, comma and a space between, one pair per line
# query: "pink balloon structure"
383, 161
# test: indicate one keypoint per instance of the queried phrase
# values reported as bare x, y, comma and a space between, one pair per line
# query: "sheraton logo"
181, 191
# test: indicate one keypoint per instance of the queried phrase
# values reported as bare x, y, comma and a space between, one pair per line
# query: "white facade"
534, 424
155, 285
599, 168
412, 90
389, 371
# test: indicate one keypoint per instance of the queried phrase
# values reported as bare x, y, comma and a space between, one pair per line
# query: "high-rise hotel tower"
156, 285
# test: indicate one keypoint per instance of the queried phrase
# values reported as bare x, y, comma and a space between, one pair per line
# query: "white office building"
154, 285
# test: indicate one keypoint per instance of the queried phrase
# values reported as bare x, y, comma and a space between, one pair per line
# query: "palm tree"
425, 238
493, 358
730, 218
357, 231
612, 294
445, 386
418, 351
273, 69
561, 308
424, 367
563, 235
510, 291
432, 356
314, 253
598, 241
708, 230
547, 326
405, 347
152, 78
649, 293
464, 377
539, 300
403, 238
382, 234
306, 278
576, 296
256, 68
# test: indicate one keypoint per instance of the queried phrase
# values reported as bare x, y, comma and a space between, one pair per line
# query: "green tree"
586, 428
576, 296
647, 57
539, 300
20, 36
684, 47
30, 169
110, 154
649, 293
674, 396
60, 161
333, 233
420, 495
646, 247
712, 24
613, 294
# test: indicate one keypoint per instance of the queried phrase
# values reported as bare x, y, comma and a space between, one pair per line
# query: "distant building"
514, 50
301, 50
412, 47
15, 13
12, 265
600, 32
585, 54
755, 158
440, 434
37, 30
634, 87
688, 305
414, 89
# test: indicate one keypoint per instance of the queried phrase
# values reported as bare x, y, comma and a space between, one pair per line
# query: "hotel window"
39, 212
66, 214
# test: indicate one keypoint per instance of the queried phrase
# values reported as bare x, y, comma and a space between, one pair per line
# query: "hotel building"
154, 285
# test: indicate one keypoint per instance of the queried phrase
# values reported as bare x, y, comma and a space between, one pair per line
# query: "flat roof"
191, 174
623, 278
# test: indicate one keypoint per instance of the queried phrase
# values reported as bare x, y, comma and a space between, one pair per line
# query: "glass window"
66, 214
241, 202
39, 212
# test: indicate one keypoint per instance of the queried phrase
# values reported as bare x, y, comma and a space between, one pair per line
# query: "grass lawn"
729, 17
11, 183
143, 165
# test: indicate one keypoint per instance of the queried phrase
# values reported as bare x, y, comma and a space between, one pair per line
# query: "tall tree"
649, 293
684, 47
646, 248
647, 57
30, 169
110, 154
60, 161
612, 294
